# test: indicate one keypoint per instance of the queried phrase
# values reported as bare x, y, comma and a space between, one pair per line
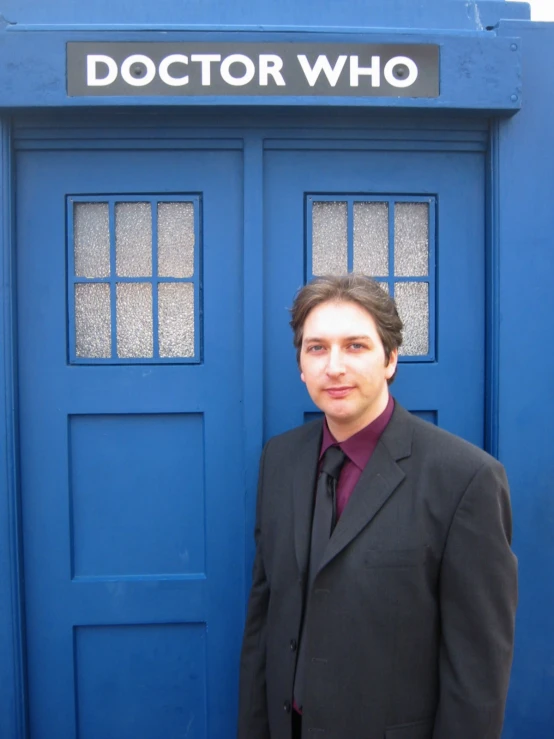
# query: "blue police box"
171, 174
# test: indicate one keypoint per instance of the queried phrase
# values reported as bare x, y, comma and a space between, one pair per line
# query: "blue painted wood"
492, 267
132, 476
480, 71
155, 495
260, 13
526, 368
253, 384
429, 416
291, 129
12, 670
452, 386
103, 679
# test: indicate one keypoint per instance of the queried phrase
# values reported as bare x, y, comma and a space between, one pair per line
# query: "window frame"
113, 279
391, 279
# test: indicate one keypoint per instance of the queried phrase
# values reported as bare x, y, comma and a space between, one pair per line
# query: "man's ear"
391, 366
302, 377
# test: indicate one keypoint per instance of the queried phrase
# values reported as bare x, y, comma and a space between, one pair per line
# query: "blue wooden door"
129, 292
415, 221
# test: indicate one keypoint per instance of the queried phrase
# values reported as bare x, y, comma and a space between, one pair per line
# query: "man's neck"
342, 432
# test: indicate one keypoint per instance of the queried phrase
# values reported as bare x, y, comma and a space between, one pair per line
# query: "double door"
134, 479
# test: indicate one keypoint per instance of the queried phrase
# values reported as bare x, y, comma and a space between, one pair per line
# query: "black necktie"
325, 506
323, 524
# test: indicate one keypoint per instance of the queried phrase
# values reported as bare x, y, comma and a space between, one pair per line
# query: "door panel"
132, 469
447, 385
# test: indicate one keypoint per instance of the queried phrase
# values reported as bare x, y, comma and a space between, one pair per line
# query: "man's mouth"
339, 392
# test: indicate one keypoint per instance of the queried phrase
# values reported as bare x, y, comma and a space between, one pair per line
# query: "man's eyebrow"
308, 339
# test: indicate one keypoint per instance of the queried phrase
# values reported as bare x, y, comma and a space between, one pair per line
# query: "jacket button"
293, 645
286, 706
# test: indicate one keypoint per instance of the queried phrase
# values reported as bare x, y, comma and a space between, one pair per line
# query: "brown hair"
349, 288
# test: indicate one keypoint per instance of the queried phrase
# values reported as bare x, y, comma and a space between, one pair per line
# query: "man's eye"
315, 348
357, 346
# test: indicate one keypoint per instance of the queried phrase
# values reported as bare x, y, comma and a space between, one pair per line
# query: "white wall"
541, 10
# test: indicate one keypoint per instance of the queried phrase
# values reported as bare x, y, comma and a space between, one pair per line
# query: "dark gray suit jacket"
412, 611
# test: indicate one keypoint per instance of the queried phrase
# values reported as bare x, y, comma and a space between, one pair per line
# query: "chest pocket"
394, 557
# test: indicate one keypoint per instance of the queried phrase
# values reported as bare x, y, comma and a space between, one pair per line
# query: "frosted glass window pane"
93, 332
133, 239
175, 239
411, 239
176, 319
412, 301
371, 238
329, 238
91, 235
134, 319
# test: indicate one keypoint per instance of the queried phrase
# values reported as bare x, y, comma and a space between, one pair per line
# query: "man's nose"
335, 365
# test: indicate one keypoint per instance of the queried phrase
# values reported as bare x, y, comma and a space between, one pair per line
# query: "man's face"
343, 364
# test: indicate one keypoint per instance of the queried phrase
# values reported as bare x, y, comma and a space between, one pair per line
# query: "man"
384, 586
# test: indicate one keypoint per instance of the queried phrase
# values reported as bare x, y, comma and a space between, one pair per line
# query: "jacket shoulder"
294, 438
444, 448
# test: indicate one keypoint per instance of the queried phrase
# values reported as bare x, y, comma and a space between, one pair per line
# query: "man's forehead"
347, 313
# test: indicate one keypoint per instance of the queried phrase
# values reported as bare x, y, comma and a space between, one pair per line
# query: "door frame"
428, 133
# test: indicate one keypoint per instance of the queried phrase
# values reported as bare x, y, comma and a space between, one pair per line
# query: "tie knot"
333, 460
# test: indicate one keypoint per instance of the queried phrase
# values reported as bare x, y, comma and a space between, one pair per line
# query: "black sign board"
292, 69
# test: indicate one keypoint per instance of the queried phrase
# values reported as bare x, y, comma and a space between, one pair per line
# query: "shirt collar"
359, 447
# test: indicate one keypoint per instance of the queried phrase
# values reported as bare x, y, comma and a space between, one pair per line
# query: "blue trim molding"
466, 15
526, 364
492, 268
253, 333
12, 669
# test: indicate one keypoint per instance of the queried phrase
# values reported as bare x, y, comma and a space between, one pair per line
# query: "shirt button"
293, 645
286, 706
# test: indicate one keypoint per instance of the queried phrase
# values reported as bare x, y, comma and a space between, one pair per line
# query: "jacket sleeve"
253, 719
478, 598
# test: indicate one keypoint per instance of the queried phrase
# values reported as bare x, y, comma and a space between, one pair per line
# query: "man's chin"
339, 418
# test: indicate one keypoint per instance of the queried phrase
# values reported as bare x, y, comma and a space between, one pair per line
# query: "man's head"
346, 332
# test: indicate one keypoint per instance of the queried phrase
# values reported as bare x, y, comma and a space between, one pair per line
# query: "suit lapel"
304, 479
377, 483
